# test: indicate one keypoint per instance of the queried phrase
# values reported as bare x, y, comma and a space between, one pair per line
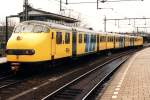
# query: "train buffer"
131, 81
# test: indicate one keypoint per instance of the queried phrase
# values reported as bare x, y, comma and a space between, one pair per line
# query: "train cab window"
46, 30
59, 37
31, 28
67, 38
40, 29
23, 28
80, 38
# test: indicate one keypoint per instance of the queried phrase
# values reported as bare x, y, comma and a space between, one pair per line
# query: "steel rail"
87, 73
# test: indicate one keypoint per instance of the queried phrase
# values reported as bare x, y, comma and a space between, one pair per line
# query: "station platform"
3, 60
131, 81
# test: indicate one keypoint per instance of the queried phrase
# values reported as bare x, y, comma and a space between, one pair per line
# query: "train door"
115, 42
60, 46
97, 42
53, 44
74, 43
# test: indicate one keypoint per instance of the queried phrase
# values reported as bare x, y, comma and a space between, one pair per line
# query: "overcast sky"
88, 12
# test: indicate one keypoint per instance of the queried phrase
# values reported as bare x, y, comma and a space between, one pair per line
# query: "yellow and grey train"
38, 41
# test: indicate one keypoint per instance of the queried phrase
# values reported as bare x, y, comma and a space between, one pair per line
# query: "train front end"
29, 43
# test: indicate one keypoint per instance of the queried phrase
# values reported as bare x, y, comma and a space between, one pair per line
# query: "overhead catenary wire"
102, 1
60, 3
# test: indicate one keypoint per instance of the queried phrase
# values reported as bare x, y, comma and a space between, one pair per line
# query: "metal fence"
3, 38
2, 49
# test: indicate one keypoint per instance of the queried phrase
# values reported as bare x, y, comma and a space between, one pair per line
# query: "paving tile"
135, 76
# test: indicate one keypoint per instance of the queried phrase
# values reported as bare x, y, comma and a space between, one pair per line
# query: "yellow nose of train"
28, 47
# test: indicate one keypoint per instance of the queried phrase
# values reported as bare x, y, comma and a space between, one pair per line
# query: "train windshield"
34, 28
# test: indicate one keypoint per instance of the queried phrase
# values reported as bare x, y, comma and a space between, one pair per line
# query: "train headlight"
30, 52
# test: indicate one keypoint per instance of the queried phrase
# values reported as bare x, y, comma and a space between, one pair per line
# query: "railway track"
8, 81
3, 77
56, 88
81, 87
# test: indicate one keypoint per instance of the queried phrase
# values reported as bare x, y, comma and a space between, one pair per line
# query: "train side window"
111, 38
91, 38
80, 38
108, 39
67, 38
94, 38
104, 38
85, 38
59, 37
100, 40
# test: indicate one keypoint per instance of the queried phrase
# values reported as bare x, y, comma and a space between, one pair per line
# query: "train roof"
63, 27
49, 24
59, 26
